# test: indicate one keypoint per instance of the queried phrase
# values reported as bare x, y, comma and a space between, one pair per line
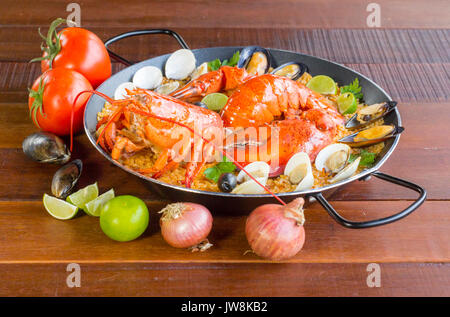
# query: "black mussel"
290, 70
372, 135
201, 104
66, 178
46, 147
255, 59
369, 114
227, 182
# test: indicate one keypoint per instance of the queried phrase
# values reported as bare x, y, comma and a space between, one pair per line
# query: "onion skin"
189, 229
272, 234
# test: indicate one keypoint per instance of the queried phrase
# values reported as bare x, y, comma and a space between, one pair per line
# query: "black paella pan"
243, 203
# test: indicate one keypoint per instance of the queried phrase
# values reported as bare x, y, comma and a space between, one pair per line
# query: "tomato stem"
52, 43
37, 96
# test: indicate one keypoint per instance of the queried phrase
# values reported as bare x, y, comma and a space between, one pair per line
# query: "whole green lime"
124, 218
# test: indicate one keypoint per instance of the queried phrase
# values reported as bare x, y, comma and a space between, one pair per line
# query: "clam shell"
148, 77
201, 70
65, 179
255, 59
297, 164
290, 70
180, 64
167, 88
354, 123
256, 169
251, 187
326, 152
347, 172
121, 93
46, 147
350, 139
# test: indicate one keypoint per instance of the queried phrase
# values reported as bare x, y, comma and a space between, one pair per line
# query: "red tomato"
83, 51
54, 95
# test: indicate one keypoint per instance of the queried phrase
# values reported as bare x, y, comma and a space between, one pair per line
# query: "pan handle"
141, 32
382, 221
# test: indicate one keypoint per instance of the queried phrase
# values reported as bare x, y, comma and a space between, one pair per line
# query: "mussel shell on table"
46, 147
65, 179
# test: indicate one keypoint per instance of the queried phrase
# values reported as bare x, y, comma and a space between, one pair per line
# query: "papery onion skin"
272, 235
192, 226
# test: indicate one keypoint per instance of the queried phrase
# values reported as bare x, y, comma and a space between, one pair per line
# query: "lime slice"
215, 101
59, 208
347, 103
322, 84
94, 207
83, 196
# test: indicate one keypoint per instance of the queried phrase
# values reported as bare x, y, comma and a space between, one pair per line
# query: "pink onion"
275, 232
185, 225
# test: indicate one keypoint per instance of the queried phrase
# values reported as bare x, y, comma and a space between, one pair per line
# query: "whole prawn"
133, 125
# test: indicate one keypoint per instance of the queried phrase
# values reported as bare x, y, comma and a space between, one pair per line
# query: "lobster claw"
225, 78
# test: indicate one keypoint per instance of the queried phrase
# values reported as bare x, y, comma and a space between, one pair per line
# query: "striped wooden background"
408, 56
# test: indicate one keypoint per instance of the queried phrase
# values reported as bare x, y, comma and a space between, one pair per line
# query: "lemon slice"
322, 84
215, 101
347, 103
83, 196
59, 208
94, 207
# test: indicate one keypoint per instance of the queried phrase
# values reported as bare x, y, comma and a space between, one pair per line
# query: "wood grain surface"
408, 57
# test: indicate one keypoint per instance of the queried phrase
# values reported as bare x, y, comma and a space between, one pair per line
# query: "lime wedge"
322, 84
94, 207
215, 101
59, 208
347, 103
83, 196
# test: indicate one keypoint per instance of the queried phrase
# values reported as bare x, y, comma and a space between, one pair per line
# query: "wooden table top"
408, 56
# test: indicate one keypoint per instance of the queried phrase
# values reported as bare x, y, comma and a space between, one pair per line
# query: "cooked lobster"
298, 118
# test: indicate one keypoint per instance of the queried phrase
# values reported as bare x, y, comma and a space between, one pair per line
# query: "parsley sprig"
213, 173
216, 64
354, 88
367, 158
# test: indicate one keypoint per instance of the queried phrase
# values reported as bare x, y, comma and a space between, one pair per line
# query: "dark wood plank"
244, 13
420, 157
30, 235
187, 280
340, 45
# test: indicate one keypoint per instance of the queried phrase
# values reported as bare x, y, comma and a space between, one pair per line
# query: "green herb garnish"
213, 173
354, 88
367, 158
216, 64
233, 60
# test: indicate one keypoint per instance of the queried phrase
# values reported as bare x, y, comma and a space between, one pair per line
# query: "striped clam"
246, 185
334, 160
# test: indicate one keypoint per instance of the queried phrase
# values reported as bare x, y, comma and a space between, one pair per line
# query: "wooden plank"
341, 45
191, 280
30, 235
251, 14
404, 82
420, 150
